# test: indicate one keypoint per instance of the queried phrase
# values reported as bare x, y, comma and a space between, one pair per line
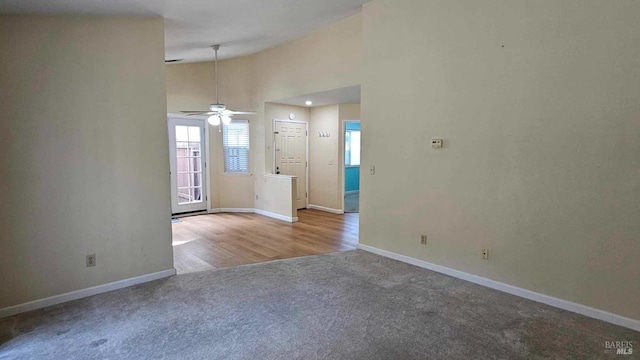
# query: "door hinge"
306, 133
206, 198
306, 195
306, 163
275, 133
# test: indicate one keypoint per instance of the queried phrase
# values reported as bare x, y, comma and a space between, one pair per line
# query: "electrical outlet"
485, 254
91, 260
423, 239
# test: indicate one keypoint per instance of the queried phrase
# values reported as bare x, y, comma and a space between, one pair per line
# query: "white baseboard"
276, 216
78, 294
256, 211
241, 210
322, 208
351, 192
513, 290
231, 210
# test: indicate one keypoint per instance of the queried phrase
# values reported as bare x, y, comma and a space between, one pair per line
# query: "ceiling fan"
218, 112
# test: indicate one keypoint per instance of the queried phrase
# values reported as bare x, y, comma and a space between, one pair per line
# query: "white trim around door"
200, 121
343, 155
273, 145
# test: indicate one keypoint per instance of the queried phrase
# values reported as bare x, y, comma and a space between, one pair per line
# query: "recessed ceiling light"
308, 102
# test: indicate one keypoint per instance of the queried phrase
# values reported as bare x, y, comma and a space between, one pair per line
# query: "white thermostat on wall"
436, 143
292, 116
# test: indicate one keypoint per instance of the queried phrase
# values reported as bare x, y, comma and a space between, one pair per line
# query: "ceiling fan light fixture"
217, 107
225, 119
214, 120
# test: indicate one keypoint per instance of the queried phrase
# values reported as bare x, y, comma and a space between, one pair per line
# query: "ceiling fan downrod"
215, 71
218, 113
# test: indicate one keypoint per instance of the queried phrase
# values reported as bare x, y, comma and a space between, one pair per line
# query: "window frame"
347, 158
224, 129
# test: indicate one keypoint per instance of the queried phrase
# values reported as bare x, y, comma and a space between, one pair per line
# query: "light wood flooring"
214, 241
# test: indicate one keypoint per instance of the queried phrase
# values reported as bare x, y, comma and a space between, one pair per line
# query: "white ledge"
279, 176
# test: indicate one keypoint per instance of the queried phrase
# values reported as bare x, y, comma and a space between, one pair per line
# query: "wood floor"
216, 241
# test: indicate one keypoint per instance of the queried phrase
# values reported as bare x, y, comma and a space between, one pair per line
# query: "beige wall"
191, 87
346, 112
84, 157
541, 161
281, 197
349, 112
325, 59
324, 160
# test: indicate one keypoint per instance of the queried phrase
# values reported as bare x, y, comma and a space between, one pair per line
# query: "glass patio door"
187, 164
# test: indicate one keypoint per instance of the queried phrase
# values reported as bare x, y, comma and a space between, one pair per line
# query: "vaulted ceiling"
242, 27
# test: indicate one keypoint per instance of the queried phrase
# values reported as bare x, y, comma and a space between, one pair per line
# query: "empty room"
338, 179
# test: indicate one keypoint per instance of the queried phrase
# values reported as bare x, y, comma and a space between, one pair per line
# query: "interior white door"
187, 165
291, 155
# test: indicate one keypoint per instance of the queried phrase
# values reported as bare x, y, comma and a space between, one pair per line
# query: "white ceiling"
346, 95
242, 27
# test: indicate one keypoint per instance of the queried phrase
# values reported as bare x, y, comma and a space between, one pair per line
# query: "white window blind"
236, 146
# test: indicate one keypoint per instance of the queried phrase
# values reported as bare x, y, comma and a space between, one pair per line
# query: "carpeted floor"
350, 305
352, 202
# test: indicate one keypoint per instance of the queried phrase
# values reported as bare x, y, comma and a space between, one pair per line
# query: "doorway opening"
352, 137
290, 154
187, 165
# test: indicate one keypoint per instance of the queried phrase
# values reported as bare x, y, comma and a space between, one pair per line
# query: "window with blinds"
236, 146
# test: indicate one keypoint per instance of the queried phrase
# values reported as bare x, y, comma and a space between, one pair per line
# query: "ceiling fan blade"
198, 112
242, 112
